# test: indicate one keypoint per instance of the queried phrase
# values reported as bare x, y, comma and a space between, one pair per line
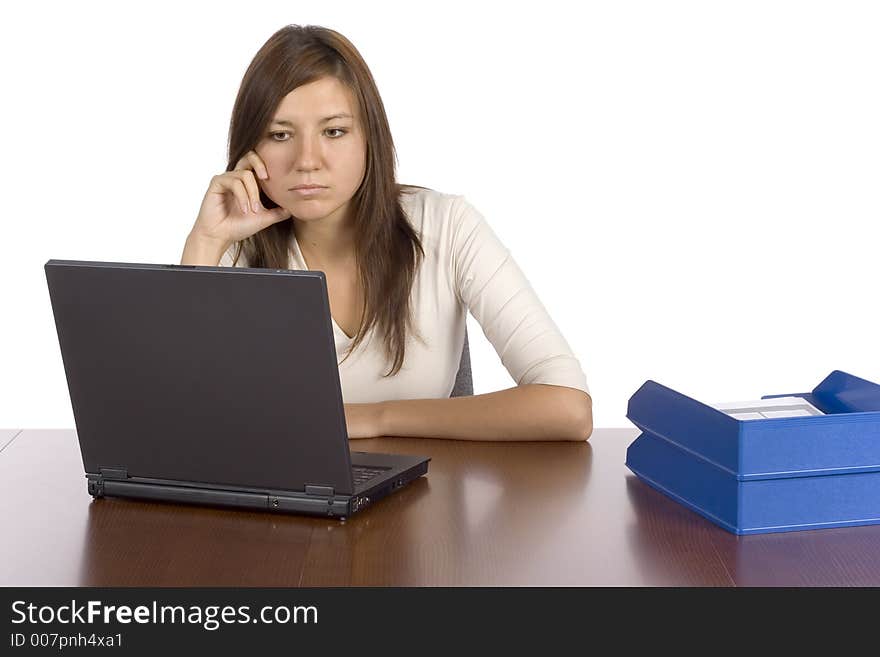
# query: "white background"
691, 187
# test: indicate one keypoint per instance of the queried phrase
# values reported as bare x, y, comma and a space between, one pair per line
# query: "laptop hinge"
321, 491
113, 473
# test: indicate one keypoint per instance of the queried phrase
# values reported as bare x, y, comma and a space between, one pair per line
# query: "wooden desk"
486, 514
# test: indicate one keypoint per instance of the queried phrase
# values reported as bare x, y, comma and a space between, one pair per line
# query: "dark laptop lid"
202, 374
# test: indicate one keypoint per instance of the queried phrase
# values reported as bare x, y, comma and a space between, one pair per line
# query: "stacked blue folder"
769, 475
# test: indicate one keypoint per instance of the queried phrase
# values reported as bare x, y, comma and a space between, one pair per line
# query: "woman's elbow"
580, 424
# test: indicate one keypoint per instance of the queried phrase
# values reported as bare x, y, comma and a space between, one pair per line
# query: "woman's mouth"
307, 190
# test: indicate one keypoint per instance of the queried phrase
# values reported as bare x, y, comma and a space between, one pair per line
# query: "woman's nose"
308, 156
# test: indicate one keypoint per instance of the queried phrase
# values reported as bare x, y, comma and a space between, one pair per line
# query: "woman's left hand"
363, 420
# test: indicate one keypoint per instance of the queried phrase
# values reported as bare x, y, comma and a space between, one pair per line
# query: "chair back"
464, 381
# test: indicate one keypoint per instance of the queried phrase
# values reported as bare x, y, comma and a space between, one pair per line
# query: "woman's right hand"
231, 210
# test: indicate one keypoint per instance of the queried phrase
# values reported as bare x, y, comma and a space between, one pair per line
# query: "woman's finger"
242, 164
225, 184
251, 160
247, 178
258, 164
236, 186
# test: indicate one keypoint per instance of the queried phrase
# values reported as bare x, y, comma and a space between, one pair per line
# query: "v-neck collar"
299, 261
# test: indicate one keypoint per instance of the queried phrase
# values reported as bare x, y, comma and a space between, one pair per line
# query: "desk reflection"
497, 515
672, 542
133, 543
845, 556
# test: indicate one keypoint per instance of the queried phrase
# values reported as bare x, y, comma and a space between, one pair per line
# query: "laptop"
212, 385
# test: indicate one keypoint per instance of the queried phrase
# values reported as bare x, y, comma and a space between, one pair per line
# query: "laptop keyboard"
363, 474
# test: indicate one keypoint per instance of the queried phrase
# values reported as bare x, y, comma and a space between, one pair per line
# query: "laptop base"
332, 506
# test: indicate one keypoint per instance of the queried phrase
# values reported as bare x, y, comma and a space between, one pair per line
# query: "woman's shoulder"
430, 210
425, 199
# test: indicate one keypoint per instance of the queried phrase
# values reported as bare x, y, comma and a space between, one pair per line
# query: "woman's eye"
333, 133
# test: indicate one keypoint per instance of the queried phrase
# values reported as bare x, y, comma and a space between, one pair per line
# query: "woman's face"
315, 138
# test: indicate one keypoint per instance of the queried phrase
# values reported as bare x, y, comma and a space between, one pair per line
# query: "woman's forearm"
527, 412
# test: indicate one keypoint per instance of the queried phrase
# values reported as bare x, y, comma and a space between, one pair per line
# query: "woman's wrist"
200, 250
383, 427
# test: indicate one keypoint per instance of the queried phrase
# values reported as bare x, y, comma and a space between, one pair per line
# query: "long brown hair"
388, 250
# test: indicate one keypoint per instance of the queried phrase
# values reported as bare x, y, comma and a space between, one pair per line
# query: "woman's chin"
306, 216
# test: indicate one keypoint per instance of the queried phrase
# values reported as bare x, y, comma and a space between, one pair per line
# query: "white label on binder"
763, 409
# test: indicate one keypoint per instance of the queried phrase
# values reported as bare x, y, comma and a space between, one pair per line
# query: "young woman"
310, 184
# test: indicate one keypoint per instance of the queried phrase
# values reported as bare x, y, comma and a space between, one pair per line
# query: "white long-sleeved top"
465, 268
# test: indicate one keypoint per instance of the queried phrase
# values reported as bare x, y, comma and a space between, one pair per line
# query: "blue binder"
762, 476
